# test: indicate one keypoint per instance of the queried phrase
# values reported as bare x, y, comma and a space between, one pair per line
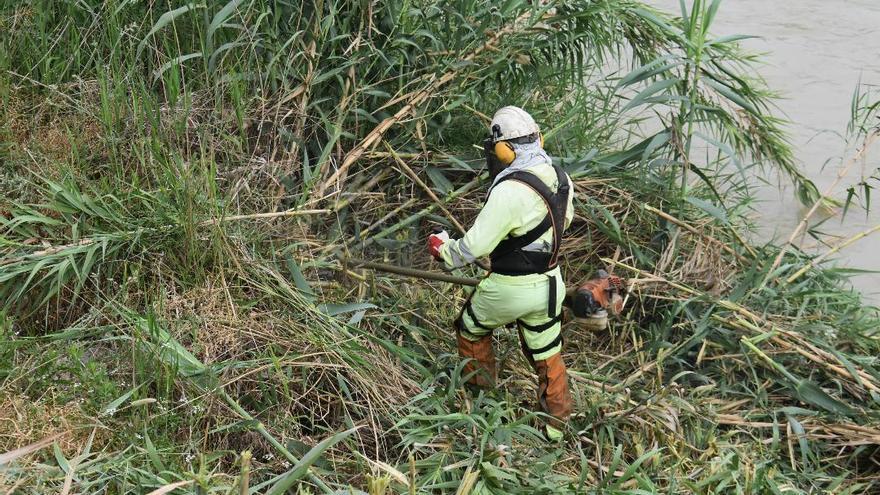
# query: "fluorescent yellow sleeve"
498, 217
513, 208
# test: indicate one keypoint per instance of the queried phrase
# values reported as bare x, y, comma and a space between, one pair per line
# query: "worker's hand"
435, 241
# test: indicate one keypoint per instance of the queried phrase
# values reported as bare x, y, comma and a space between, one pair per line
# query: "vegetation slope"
182, 182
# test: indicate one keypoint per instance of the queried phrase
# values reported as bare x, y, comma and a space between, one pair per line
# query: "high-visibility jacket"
512, 209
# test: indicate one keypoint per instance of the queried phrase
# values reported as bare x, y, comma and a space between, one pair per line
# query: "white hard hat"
512, 122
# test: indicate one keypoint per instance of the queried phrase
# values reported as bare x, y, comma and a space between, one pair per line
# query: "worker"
520, 228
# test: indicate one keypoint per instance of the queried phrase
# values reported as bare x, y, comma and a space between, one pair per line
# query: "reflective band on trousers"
500, 300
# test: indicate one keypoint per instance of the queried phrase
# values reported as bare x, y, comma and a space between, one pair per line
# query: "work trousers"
500, 300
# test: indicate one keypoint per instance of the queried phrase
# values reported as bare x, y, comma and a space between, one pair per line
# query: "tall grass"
180, 179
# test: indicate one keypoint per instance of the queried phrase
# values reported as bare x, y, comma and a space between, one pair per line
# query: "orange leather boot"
553, 394
482, 357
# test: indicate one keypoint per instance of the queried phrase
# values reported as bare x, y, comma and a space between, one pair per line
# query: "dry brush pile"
183, 182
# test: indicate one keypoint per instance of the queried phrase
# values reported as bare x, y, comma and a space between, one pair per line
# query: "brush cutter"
589, 303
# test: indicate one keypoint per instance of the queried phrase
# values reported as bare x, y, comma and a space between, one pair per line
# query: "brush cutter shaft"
412, 272
600, 289
590, 303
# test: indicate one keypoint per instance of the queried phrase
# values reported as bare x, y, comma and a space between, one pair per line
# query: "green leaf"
338, 309
113, 406
631, 470
647, 71
710, 16
169, 350
849, 366
298, 279
811, 393
152, 453
659, 140
357, 317
164, 20
731, 95
60, 459
728, 150
629, 155
616, 459
730, 39
496, 474
709, 208
798, 429
334, 134
459, 164
440, 182
650, 91
171, 63
609, 226
220, 17
212, 60
302, 467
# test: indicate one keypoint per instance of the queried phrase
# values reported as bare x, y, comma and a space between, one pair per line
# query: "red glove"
434, 243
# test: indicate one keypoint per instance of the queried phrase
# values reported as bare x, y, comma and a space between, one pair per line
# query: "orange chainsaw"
591, 303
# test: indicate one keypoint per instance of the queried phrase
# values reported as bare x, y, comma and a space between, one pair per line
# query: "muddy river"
816, 52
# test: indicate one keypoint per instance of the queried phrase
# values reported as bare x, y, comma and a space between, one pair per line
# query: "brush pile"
181, 182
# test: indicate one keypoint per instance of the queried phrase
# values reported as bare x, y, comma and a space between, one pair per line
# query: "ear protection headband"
503, 149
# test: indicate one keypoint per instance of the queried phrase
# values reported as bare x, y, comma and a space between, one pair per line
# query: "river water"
815, 53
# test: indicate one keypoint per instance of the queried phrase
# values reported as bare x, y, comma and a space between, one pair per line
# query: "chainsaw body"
592, 302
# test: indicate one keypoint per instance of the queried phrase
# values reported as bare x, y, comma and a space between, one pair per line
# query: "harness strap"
470, 312
514, 243
551, 345
557, 211
556, 203
543, 326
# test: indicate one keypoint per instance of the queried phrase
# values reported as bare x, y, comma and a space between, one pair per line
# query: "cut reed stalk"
244, 479
827, 360
421, 213
409, 172
843, 172
835, 249
264, 216
694, 231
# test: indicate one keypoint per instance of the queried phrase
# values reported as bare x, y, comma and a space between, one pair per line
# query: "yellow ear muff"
504, 152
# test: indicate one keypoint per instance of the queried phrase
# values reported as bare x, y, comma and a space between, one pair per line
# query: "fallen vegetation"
180, 183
